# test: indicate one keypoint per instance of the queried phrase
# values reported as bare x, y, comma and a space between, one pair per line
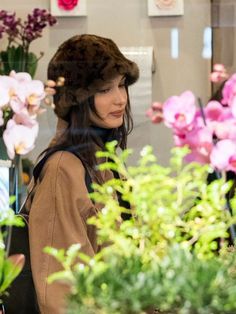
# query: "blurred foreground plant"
168, 255
10, 266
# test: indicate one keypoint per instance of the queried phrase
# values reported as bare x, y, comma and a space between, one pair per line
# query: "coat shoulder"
63, 161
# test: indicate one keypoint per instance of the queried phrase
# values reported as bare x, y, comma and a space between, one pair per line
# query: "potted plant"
170, 257
20, 34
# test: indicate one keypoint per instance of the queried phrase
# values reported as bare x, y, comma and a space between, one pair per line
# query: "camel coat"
59, 207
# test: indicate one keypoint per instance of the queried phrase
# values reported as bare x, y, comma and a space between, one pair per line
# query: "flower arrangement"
20, 35
19, 106
209, 131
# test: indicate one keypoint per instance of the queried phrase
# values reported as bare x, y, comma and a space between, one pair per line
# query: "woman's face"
110, 103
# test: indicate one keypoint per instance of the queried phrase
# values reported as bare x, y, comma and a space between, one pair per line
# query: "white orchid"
19, 139
20, 100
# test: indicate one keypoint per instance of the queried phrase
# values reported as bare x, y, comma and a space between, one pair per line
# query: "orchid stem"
201, 109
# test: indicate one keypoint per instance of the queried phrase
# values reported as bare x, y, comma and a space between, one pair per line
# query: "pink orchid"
8, 88
25, 119
223, 155
210, 132
31, 92
196, 156
199, 140
21, 77
19, 139
34, 92
233, 107
155, 112
223, 129
213, 110
219, 67
179, 111
17, 105
229, 91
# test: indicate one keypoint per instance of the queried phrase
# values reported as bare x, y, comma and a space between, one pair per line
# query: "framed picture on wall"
165, 7
68, 7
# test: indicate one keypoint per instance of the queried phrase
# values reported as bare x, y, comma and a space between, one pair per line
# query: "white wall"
127, 23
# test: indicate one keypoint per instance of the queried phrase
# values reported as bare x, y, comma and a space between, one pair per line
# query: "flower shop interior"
184, 50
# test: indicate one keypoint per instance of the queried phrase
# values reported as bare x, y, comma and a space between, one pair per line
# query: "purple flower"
28, 30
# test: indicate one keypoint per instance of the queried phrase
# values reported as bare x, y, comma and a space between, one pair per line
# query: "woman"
92, 107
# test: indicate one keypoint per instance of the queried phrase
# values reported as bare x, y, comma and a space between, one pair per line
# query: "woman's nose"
120, 97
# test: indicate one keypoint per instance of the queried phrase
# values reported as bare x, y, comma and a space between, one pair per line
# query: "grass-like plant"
171, 255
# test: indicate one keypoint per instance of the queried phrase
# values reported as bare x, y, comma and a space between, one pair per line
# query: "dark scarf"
108, 135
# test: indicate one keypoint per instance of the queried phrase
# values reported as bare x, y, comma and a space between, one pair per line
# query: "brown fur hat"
87, 62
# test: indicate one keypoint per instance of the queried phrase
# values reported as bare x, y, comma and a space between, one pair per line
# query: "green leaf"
10, 272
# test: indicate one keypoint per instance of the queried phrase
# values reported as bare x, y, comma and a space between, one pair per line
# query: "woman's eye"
104, 91
122, 85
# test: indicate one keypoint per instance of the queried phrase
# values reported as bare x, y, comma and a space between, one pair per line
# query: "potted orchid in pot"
20, 34
20, 95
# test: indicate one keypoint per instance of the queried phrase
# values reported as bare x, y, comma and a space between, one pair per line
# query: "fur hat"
86, 62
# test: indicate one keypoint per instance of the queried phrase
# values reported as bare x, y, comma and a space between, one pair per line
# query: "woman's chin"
111, 124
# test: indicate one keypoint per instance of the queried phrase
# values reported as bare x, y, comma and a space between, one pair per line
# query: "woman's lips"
117, 114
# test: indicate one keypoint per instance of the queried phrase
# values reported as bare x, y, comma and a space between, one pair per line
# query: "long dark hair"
82, 139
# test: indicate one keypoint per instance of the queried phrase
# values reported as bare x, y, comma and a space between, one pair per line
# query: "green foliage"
10, 267
167, 255
9, 270
16, 58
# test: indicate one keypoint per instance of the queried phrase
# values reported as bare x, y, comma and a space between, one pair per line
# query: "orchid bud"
60, 81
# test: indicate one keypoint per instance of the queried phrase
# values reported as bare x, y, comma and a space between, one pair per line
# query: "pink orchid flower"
155, 112
223, 129
25, 119
17, 105
229, 91
199, 140
233, 107
34, 92
19, 139
196, 156
179, 111
29, 98
220, 120
29, 91
223, 155
21, 77
21, 108
8, 88
214, 110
